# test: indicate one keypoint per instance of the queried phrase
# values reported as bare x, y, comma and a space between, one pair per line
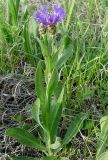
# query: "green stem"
49, 149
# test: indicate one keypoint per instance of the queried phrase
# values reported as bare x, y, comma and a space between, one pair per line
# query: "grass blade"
69, 14
13, 12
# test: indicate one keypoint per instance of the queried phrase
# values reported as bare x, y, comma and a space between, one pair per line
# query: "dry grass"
16, 96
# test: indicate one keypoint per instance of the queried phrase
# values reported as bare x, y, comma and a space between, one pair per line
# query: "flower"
44, 17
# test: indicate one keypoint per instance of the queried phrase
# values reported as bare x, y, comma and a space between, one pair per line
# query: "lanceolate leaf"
58, 89
103, 139
103, 156
56, 115
52, 83
25, 138
36, 113
49, 158
64, 57
74, 128
42, 46
31, 158
39, 83
24, 158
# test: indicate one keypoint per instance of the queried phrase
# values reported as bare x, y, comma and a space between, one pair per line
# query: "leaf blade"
56, 115
64, 57
39, 83
31, 158
76, 124
25, 138
103, 139
103, 156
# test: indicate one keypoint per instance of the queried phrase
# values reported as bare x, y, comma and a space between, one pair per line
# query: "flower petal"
43, 16
59, 12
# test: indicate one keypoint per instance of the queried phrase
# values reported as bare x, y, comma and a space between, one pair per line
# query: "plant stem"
48, 147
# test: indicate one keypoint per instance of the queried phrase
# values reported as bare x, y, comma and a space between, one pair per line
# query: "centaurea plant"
48, 107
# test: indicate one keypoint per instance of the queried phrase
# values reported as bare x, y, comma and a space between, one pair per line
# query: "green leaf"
49, 158
36, 112
25, 138
58, 89
88, 124
27, 44
54, 59
103, 156
52, 83
31, 158
24, 158
5, 28
40, 90
17, 4
71, 6
64, 57
74, 128
56, 115
56, 144
103, 139
13, 11
43, 47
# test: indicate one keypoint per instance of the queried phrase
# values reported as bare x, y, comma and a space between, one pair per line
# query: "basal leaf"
24, 158
74, 128
48, 158
103, 139
36, 112
31, 158
103, 156
25, 138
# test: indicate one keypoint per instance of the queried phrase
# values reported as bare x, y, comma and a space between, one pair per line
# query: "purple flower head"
43, 16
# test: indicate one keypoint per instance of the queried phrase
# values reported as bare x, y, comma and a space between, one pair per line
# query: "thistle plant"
48, 107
